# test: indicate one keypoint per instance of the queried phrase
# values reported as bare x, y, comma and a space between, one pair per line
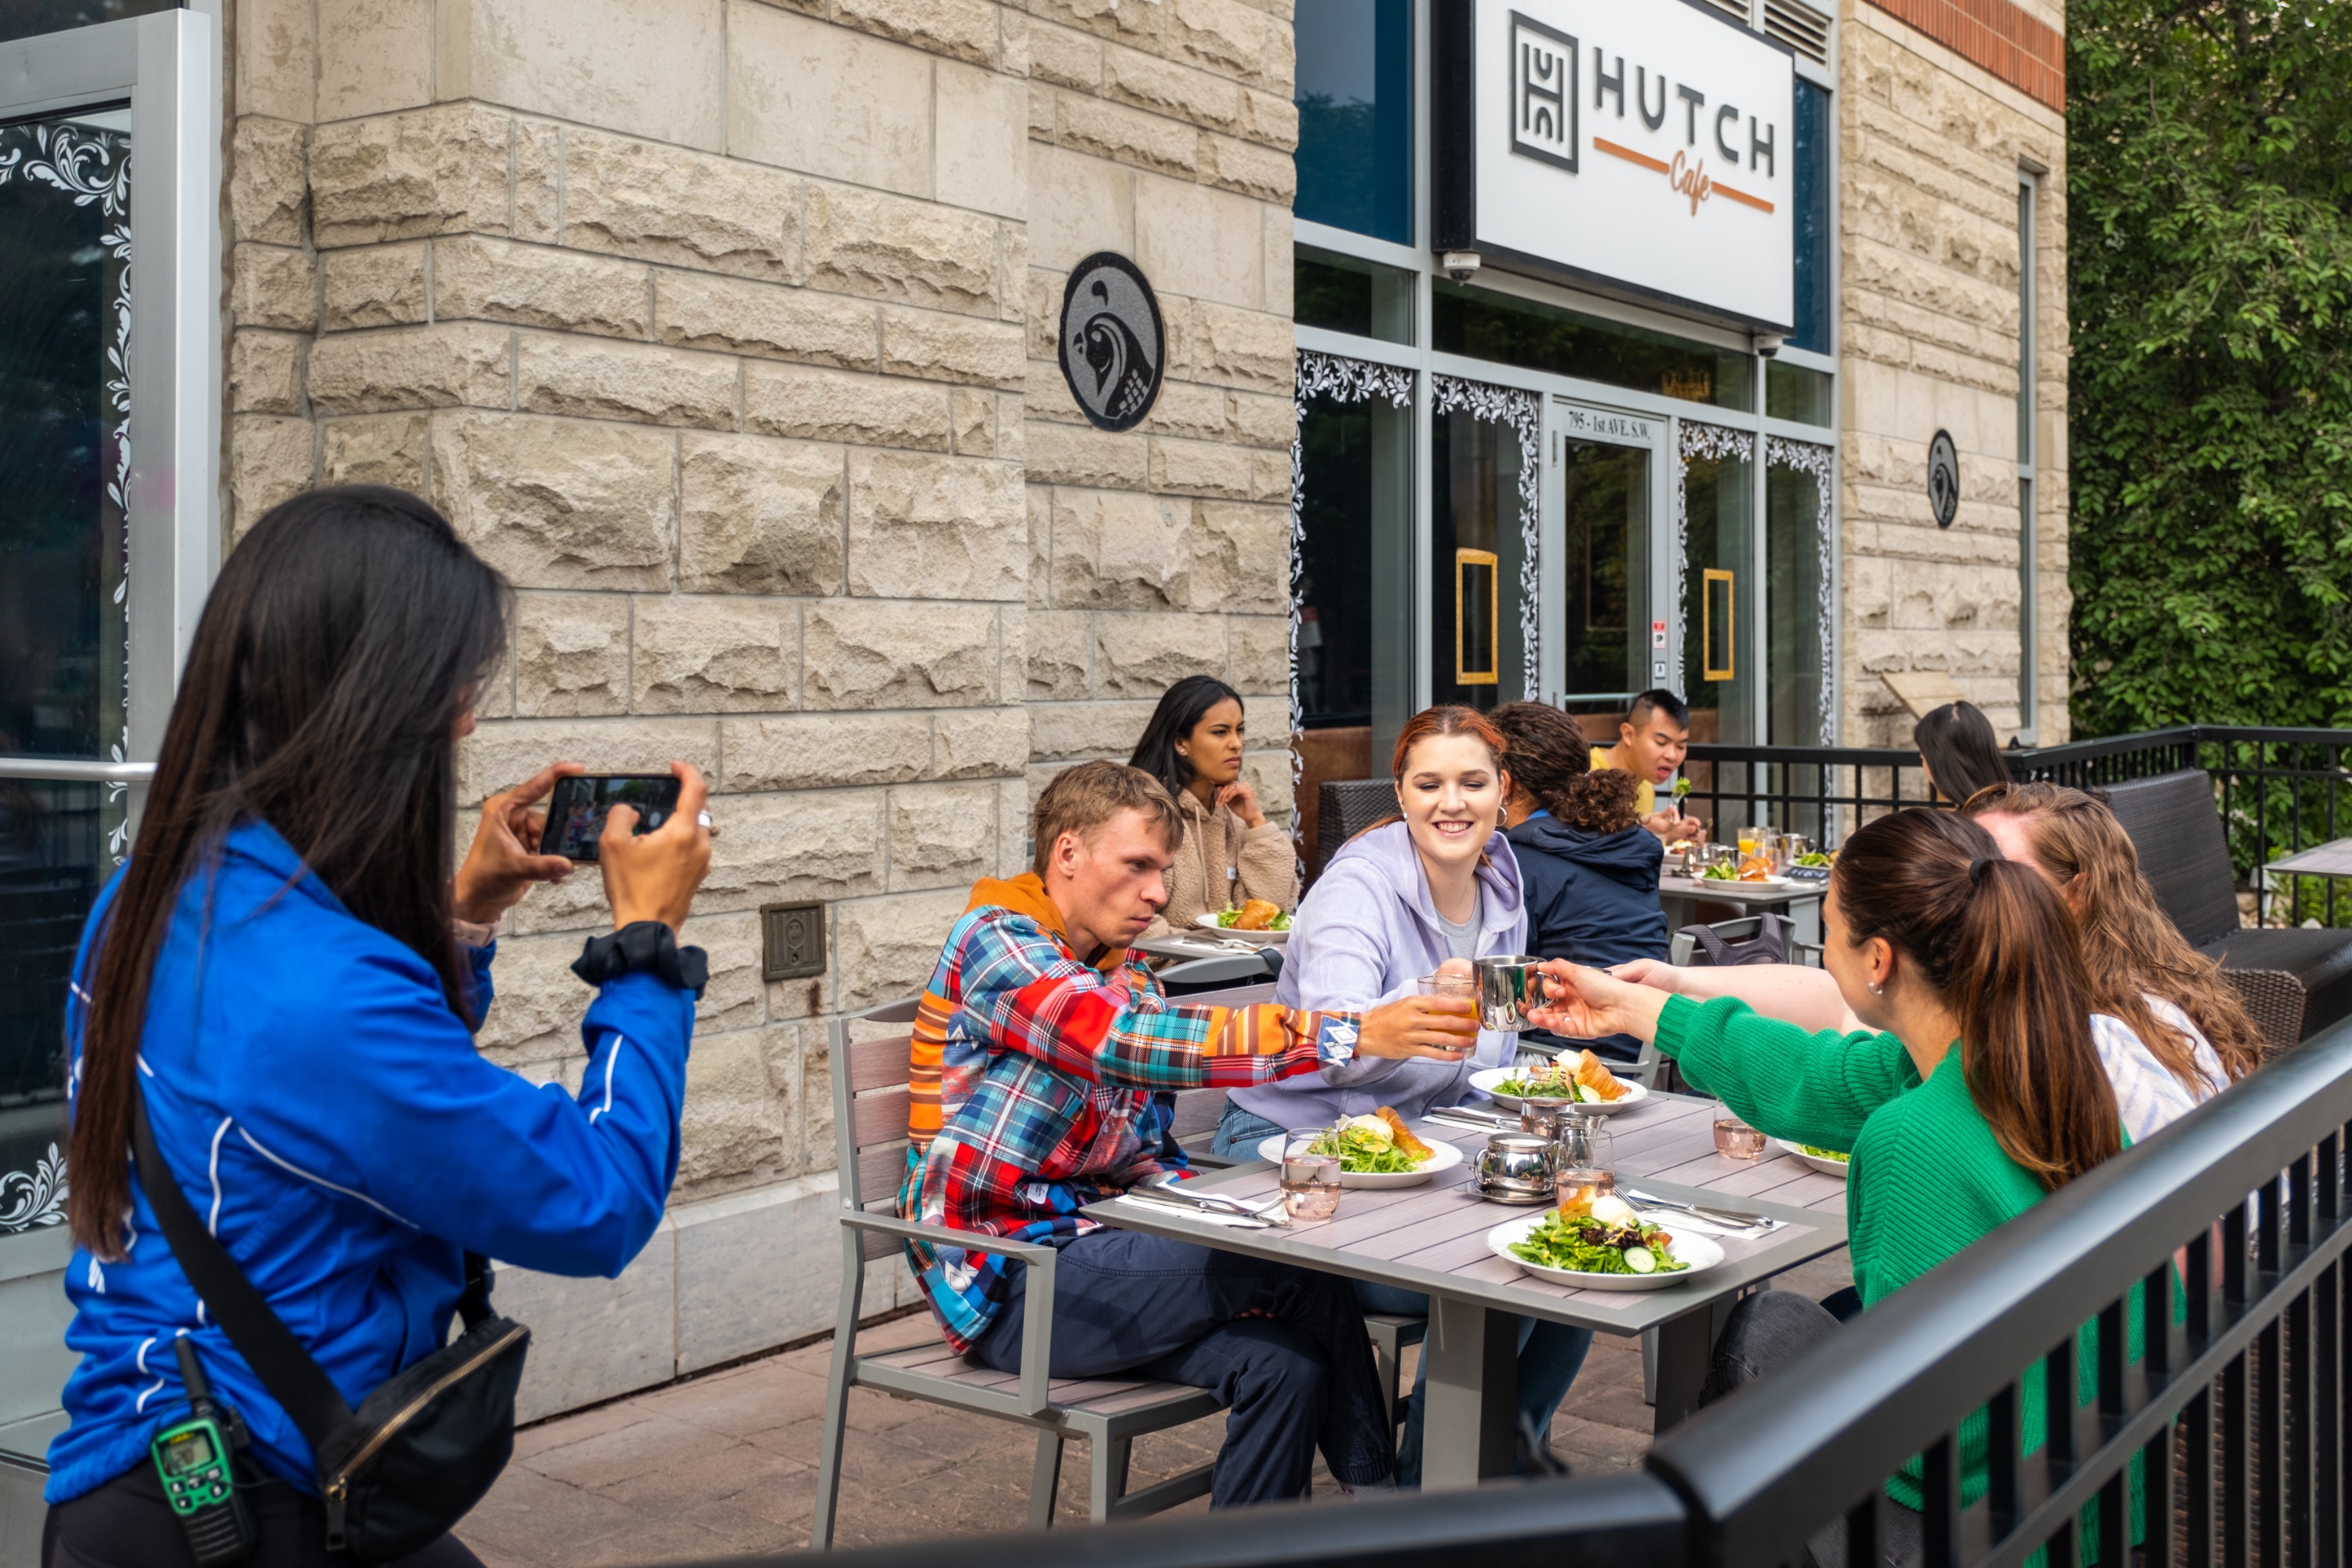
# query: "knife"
1150, 1200
1725, 1216
1217, 1202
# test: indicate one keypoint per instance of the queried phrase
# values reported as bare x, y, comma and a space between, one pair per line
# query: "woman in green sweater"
1973, 1089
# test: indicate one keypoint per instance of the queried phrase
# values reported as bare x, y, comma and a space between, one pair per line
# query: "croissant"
1597, 1077
1257, 915
1404, 1134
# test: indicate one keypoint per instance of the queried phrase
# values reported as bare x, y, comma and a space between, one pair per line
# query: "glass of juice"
1311, 1180
1585, 1168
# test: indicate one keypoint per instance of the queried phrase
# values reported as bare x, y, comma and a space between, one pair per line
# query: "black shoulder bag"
420, 1451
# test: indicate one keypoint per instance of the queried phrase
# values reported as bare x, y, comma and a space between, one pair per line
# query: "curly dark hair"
1599, 802
1547, 749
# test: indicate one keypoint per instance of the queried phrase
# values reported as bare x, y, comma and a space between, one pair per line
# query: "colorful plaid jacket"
1033, 1079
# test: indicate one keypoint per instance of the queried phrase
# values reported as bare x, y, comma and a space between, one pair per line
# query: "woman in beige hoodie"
1231, 853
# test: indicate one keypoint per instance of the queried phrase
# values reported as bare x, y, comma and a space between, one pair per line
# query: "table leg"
1685, 1350
1470, 1400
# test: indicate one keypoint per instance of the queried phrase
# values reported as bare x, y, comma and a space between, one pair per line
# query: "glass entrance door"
1602, 561
65, 324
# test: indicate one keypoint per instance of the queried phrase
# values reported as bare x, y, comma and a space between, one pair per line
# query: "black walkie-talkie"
195, 1459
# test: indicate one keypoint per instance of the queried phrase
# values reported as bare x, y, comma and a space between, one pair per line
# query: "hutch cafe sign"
1641, 147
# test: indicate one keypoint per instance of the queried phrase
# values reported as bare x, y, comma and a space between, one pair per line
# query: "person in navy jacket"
1589, 867
289, 973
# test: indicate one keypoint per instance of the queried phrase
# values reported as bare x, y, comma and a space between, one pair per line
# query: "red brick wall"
2029, 54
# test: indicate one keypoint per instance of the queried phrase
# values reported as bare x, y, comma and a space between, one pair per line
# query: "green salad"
1366, 1150
1590, 1245
1227, 917
1721, 871
1813, 858
1529, 1086
1840, 1155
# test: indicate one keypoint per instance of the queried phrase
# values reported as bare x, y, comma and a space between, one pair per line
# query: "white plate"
1744, 881
1446, 1159
1487, 1079
1696, 1250
1260, 937
1826, 1167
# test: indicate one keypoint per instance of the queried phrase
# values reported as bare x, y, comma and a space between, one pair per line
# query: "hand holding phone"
653, 855
507, 855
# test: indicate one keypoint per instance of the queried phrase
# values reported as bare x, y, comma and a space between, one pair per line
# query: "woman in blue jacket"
288, 972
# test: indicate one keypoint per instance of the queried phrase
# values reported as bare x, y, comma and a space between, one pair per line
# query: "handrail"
45, 770
1762, 1474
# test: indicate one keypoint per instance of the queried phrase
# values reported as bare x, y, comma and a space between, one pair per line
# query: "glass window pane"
1718, 587
1606, 491
1480, 647
1345, 294
1816, 237
1354, 90
64, 326
1353, 659
26, 18
1792, 392
1487, 325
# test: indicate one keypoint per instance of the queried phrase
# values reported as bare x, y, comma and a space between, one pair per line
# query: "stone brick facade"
726, 330
1932, 145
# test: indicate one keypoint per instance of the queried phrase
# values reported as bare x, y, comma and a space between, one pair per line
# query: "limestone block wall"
1162, 129
726, 330
1931, 147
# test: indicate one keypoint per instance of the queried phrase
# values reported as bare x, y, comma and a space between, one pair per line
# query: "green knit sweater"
1926, 1177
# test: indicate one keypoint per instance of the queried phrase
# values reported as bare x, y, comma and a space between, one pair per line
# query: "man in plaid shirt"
1037, 1051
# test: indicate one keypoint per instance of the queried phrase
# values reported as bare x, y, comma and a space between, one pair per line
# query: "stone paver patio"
726, 1463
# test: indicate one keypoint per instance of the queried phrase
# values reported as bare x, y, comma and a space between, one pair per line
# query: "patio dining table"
1431, 1238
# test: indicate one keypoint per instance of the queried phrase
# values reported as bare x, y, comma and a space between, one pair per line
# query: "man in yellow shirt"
1651, 744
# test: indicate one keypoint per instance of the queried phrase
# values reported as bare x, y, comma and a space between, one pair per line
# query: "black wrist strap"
647, 947
309, 1397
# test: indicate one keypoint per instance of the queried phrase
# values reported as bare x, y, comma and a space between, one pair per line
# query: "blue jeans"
1299, 1378
1550, 1355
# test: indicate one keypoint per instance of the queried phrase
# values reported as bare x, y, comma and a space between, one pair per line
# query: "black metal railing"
2218, 1244
2278, 791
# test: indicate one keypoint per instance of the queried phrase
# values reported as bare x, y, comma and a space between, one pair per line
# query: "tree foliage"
2209, 240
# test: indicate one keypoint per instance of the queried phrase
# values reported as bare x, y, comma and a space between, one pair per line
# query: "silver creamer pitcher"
1508, 985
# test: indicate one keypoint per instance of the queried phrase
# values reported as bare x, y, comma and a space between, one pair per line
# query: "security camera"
1769, 344
1462, 265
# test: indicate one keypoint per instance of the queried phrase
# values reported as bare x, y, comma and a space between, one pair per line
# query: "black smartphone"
575, 810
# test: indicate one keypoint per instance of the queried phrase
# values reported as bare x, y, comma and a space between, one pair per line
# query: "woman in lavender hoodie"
1439, 887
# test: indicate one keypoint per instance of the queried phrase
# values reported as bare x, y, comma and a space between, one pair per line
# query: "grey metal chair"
1195, 976
870, 1101
2293, 983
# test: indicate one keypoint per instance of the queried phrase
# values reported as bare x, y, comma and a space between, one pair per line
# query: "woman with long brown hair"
2142, 970
1971, 1090
288, 975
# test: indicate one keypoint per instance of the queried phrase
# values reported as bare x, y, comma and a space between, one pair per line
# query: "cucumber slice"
1587, 1095
1641, 1260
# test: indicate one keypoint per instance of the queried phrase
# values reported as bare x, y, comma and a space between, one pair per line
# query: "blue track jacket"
332, 1123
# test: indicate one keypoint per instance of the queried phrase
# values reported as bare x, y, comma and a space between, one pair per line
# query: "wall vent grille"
1800, 27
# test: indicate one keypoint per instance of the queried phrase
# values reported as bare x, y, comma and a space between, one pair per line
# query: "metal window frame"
166, 66
1419, 356
2029, 400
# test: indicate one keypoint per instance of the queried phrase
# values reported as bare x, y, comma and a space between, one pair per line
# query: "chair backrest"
1198, 1110
1227, 969
871, 1051
2174, 825
1345, 807
1764, 937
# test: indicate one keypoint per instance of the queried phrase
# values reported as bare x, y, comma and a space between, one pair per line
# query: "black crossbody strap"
310, 1400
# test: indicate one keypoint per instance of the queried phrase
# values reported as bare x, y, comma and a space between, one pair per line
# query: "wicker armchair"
2295, 983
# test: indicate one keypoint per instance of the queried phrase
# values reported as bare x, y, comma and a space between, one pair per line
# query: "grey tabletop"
1740, 892
2333, 858
1431, 1238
